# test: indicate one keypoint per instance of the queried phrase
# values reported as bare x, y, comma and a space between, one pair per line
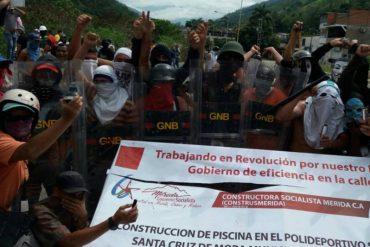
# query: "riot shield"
168, 105
220, 108
259, 129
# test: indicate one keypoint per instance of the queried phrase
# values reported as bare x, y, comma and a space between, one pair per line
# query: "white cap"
125, 51
43, 28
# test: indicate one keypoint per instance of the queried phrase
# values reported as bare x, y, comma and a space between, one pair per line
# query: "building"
352, 25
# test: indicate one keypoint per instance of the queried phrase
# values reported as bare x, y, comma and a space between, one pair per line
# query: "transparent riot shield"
46, 80
111, 115
168, 105
220, 108
259, 128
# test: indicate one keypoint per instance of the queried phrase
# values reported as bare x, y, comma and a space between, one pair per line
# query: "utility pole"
240, 19
259, 32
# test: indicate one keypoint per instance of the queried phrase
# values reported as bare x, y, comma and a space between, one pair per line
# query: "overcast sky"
175, 10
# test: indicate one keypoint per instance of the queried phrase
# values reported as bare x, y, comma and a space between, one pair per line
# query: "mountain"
111, 19
286, 12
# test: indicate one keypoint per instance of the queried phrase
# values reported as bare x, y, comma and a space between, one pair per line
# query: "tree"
259, 29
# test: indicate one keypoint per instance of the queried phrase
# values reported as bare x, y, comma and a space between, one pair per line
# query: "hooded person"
224, 85
105, 52
326, 108
110, 96
160, 54
354, 108
46, 77
123, 68
160, 96
33, 46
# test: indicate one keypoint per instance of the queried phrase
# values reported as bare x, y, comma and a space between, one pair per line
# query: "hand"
363, 50
202, 31
337, 42
137, 29
147, 25
325, 142
82, 21
90, 40
125, 214
365, 127
71, 110
77, 208
128, 114
255, 49
193, 39
297, 27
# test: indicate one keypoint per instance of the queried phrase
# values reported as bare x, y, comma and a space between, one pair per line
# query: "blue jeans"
11, 44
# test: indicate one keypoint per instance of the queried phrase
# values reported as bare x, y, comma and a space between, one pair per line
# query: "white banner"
283, 199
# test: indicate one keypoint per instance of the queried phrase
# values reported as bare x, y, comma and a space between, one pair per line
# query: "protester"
19, 111
160, 97
61, 219
224, 85
11, 25
310, 114
105, 52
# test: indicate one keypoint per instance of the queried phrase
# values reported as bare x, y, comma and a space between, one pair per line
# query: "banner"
202, 196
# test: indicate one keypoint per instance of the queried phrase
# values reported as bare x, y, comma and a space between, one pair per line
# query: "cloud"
190, 9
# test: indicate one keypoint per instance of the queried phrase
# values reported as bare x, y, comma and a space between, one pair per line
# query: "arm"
4, 3
253, 51
124, 215
81, 23
38, 144
346, 79
275, 54
147, 27
294, 36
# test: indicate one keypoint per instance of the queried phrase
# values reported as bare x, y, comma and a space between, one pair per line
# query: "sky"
180, 10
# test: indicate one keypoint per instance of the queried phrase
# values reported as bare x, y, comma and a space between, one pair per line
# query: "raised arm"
81, 23
275, 54
38, 144
294, 36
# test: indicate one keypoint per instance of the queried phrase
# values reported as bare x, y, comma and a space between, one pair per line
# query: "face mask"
263, 88
88, 67
105, 90
227, 71
160, 98
124, 72
19, 129
353, 110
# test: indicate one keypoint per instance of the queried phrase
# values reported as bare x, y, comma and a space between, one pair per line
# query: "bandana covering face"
325, 108
125, 74
354, 108
19, 130
88, 67
160, 98
110, 97
263, 88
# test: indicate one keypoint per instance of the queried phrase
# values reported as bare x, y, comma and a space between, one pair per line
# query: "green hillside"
286, 12
111, 19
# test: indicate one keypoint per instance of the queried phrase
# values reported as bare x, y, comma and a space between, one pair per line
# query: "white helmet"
43, 28
20, 96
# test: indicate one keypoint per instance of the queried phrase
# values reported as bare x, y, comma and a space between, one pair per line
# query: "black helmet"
265, 72
301, 54
232, 47
162, 72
